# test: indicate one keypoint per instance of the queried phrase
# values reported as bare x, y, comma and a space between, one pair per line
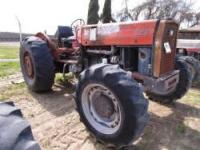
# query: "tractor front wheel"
37, 64
111, 104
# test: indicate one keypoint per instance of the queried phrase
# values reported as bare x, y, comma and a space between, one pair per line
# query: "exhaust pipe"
20, 29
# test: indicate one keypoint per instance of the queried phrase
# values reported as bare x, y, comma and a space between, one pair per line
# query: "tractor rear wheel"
37, 64
182, 87
111, 104
194, 67
15, 132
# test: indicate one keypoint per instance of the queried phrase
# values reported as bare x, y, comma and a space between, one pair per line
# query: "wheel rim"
102, 108
28, 64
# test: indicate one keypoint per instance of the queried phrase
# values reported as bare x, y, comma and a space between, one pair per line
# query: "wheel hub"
101, 108
28, 65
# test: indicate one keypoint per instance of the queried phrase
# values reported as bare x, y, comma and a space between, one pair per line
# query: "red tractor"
188, 47
116, 63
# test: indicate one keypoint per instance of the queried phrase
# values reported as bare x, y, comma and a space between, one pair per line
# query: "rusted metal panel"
119, 34
162, 85
165, 39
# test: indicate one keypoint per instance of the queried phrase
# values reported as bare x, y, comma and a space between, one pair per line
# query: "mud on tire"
37, 64
123, 90
182, 87
15, 132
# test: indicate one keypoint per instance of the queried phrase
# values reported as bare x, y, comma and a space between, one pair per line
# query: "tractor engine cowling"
151, 42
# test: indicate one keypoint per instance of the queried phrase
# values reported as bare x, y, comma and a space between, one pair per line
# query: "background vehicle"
115, 63
188, 47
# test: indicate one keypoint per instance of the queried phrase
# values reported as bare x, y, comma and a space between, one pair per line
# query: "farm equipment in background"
188, 47
115, 62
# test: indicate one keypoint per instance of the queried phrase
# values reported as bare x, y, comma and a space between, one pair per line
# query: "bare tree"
125, 13
161, 9
178, 10
196, 19
150, 9
136, 12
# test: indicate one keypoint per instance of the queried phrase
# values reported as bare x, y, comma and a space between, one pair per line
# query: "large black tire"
41, 78
194, 66
130, 98
182, 87
15, 132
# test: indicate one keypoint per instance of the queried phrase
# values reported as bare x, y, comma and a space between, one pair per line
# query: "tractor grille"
167, 63
164, 59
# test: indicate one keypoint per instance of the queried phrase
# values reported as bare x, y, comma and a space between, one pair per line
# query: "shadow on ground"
171, 131
59, 101
196, 86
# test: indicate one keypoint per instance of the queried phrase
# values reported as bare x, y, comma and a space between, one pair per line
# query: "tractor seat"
64, 35
63, 32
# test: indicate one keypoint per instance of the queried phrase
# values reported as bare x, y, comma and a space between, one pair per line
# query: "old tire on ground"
182, 87
15, 132
37, 64
111, 104
194, 67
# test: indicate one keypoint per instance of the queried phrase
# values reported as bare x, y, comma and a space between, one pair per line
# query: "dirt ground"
56, 126
9, 80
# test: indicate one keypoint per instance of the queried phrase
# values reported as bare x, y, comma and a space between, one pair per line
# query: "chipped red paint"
125, 34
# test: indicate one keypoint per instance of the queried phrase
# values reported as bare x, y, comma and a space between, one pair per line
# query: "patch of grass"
180, 129
68, 81
46, 144
61, 80
8, 52
9, 68
192, 97
14, 89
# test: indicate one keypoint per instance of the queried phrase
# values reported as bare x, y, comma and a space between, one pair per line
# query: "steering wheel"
76, 23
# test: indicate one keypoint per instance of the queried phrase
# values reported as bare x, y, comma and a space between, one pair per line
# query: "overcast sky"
40, 15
